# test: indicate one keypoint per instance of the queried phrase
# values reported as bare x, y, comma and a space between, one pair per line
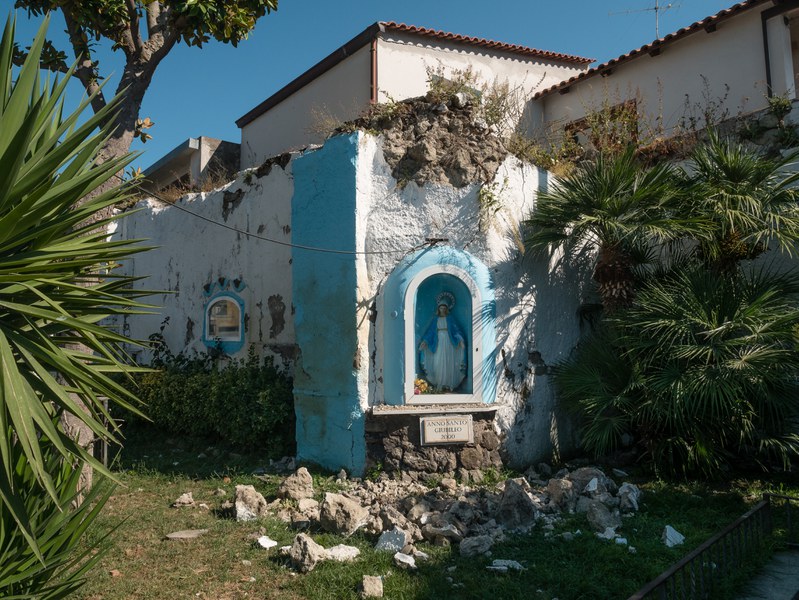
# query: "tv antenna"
657, 9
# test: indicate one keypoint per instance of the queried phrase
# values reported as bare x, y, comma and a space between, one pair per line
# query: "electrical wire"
427, 242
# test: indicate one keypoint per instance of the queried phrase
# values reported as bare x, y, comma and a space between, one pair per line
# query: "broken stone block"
393, 541
671, 537
403, 561
445, 532
561, 493
305, 554
307, 504
250, 504
343, 553
183, 500
608, 534
341, 515
266, 542
507, 565
600, 517
516, 508
629, 496
297, 486
371, 587
186, 534
475, 546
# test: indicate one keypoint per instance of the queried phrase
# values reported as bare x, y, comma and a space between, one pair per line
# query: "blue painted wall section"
394, 303
330, 423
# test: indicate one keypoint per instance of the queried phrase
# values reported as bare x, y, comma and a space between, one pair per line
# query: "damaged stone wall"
194, 253
394, 443
411, 189
428, 140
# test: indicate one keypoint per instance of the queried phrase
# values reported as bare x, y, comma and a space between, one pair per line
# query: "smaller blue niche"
223, 322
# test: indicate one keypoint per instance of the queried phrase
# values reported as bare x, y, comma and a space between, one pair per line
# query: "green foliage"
779, 105
248, 403
195, 21
618, 204
748, 200
699, 360
58, 525
56, 286
56, 279
702, 370
442, 87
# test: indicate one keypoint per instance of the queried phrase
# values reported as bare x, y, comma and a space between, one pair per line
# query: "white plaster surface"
190, 253
537, 300
724, 69
403, 60
338, 95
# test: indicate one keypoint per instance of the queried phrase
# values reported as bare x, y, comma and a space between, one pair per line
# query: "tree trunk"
117, 145
614, 276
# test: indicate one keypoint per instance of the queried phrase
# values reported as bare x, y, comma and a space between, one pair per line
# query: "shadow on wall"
538, 325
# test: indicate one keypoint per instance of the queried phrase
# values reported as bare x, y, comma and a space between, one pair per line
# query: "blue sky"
203, 91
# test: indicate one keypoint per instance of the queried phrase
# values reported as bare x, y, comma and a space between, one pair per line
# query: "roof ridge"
484, 42
655, 45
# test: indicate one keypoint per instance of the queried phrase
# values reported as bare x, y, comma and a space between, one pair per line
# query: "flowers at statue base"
420, 386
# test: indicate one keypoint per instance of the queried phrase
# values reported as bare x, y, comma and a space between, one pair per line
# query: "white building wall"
537, 300
190, 253
336, 96
724, 70
404, 61
404, 64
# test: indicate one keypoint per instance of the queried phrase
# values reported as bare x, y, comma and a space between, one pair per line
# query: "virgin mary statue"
443, 347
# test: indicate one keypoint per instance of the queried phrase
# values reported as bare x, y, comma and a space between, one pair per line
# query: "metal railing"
789, 504
701, 571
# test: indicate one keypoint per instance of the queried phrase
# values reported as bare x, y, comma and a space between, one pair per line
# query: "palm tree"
701, 369
57, 285
749, 200
617, 204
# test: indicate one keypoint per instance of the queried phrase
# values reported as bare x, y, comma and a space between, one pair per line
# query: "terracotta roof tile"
655, 45
484, 43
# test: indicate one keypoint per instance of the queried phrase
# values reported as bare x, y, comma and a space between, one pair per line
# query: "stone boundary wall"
394, 441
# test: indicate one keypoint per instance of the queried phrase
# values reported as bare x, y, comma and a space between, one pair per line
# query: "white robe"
443, 367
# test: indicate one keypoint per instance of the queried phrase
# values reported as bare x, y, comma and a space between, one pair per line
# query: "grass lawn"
226, 563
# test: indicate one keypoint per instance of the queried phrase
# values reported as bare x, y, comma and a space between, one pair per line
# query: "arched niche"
408, 306
457, 296
223, 322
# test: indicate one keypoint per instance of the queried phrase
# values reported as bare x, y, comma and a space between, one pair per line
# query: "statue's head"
444, 303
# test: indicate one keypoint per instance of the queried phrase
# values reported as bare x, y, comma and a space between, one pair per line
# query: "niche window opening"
224, 323
442, 306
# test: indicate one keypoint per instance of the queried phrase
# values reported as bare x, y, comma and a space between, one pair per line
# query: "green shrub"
702, 369
248, 403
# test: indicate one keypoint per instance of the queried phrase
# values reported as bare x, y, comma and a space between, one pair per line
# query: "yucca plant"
60, 565
57, 285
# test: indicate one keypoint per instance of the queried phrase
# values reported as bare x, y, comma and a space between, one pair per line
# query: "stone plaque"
446, 429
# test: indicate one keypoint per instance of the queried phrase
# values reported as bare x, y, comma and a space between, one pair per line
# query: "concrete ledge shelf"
385, 410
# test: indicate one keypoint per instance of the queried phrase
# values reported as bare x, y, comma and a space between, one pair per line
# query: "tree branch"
85, 69
153, 23
134, 26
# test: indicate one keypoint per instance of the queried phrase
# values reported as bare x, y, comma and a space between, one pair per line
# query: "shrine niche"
443, 336
437, 337
223, 319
